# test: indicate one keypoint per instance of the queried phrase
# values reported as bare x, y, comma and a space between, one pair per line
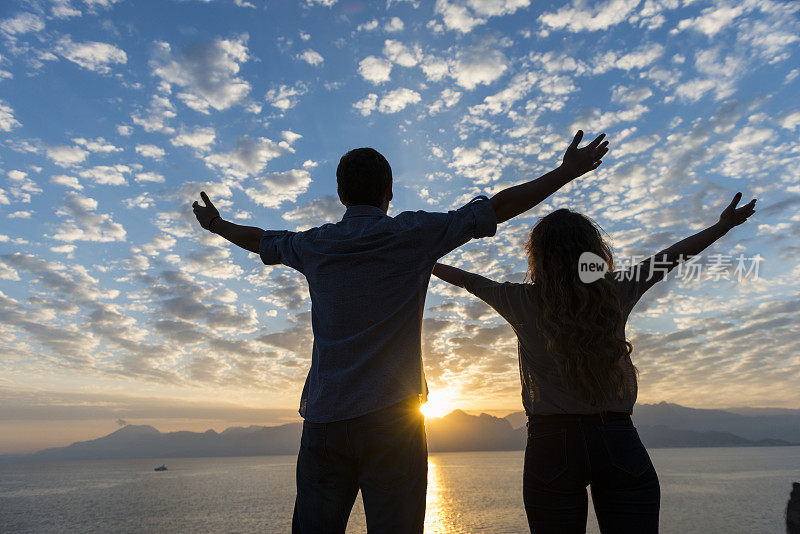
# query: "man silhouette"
367, 276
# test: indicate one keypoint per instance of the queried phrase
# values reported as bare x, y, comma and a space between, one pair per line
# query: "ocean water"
725, 490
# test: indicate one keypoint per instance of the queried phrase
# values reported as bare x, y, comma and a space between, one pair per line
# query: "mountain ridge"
660, 425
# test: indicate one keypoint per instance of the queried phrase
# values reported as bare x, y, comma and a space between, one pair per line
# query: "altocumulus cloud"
91, 55
464, 97
84, 223
207, 73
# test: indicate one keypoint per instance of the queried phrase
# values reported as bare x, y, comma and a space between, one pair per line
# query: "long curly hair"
583, 323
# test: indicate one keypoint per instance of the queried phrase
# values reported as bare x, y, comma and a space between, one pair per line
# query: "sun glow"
439, 404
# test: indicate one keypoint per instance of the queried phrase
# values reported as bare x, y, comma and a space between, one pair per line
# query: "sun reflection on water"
437, 512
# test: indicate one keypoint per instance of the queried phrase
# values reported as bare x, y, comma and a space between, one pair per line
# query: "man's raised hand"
579, 161
733, 216
205, 214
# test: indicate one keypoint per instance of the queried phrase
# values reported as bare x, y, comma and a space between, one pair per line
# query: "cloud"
153, 177
62, 9
66, 156
249, 157
101, 3
368, 26
22, 23
22, 187
375, 69
91, 55
201, 138
394, 25
150, 151
312, 57
72, 345
271, 190
74, 284
397, 100
774, 34
67, 181
630, 95
27, 405
638, 58
107, 174
712, 19
158, 115
84, 223
20, 215
718, 74
601, 16
448, 98
693, 90
65, 249
400, 53
208, 73
391, 102
791, 121
434, 68
289, 291
7, 120
501, 102
464, 15
317, 212
286, 96
290, 136
367, 105
479, 65
96, 145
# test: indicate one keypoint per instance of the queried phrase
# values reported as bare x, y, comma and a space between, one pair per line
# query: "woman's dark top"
543, 391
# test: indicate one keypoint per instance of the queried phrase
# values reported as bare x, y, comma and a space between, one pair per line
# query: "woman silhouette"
578, 380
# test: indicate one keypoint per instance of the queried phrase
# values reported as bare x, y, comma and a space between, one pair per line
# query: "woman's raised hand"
733, 216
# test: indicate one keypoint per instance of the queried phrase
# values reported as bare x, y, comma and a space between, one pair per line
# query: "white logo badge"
591, 267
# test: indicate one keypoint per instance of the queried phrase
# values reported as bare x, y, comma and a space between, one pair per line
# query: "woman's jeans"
566, 453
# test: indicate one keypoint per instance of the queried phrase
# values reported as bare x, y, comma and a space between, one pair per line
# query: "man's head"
364, 177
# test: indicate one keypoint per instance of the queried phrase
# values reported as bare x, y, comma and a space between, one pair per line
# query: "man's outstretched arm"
247, 237
513, 201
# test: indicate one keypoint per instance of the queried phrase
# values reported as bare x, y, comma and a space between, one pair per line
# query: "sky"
116, 307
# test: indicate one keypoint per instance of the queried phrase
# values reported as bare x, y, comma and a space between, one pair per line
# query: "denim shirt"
367, 276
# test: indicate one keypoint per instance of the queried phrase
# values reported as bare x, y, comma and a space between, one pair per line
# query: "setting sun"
439, 404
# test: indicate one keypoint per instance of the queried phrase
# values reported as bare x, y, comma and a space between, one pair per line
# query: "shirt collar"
363, 211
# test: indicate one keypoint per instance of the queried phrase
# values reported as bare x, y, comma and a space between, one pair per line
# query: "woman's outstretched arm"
697, 243
452, 275
644, 275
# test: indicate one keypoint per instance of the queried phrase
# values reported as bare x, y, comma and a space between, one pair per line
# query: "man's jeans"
383, 453
566, 453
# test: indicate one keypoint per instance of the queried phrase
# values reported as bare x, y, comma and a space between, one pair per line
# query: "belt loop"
602, 418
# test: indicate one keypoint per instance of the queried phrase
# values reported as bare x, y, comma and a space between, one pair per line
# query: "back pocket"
546, 455
625, 450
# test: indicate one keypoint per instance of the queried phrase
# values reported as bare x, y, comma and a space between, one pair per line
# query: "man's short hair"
363, 175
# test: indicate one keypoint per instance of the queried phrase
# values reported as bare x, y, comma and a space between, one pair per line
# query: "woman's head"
583, 323
557, 242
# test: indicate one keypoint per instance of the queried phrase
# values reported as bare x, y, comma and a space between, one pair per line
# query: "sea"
704, 490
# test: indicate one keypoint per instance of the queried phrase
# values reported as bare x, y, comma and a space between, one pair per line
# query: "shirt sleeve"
281, 247
636, 280
447, 231
503, 297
